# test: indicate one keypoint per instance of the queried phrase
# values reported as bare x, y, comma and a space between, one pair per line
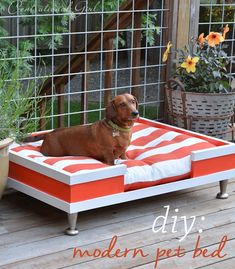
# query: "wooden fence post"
42, 109
84, 95
182, 22
109, 73
168, 34
169, 18
74, 28
61, 105
136, 55
194, 19
187, 21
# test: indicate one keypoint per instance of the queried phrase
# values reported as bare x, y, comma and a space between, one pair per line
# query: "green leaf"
225, 84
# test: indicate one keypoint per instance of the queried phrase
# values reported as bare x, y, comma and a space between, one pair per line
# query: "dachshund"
104, 140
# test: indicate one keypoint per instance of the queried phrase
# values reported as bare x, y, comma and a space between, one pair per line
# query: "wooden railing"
81, 61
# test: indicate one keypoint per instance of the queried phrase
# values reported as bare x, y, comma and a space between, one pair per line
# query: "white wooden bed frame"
226, 149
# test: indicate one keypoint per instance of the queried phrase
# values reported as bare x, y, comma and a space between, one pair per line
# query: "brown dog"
104, 140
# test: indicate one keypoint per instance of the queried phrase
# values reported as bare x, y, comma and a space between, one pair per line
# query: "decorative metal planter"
4, 163
207, 113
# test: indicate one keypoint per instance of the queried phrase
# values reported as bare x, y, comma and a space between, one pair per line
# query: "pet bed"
161, 159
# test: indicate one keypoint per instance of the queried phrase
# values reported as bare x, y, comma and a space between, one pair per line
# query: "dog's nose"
135, 113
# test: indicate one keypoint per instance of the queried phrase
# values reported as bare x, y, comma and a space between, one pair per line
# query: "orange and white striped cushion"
155, 156
158, 156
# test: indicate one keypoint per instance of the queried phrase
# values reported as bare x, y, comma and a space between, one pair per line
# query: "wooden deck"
31, 232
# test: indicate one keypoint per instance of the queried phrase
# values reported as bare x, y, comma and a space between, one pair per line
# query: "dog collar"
118, 128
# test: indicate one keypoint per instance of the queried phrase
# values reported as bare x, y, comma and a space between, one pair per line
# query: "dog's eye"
122, 105
133, 101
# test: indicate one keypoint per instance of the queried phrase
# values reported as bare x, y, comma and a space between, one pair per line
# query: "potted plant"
16, 114
199, 96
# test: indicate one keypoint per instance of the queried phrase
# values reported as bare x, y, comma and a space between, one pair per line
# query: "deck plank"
200, 262
144, 240
107, 216
210, 235
43, 246
227, 264
26, 213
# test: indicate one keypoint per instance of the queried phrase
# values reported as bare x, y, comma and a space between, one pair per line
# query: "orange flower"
201, 39
167, 51
214, 38
226, 30
190, 64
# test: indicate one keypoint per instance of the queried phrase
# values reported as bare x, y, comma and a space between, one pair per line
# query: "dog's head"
123, 109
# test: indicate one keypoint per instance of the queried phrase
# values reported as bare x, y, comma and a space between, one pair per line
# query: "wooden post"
84, 95
167, 36
182, 26
109, 73
61, 106
188, 18
194, 19
183, 23
74, 29
136, 54
42, 109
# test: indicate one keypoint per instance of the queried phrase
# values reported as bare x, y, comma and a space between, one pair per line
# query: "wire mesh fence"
81, 53
216, 14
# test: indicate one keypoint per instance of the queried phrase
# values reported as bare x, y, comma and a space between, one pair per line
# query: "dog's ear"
137, 103
110, 111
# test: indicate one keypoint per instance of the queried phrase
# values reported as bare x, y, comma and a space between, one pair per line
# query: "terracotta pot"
4, 163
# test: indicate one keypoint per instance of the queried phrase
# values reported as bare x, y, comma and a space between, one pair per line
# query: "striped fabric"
155, 156
158, 156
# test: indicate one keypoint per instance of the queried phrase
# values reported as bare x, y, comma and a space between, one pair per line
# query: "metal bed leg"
72, 219
223, 187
